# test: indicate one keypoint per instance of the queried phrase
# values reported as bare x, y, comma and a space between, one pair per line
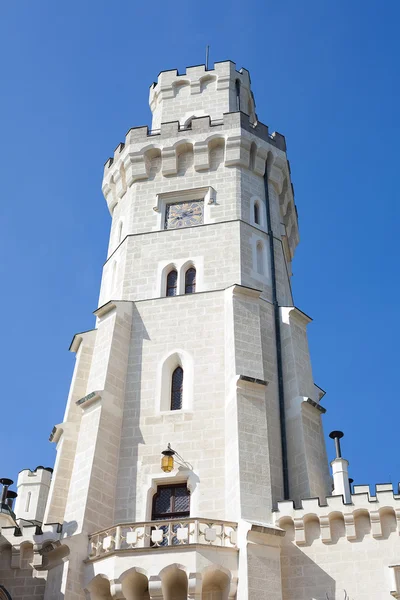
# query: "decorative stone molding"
375, 507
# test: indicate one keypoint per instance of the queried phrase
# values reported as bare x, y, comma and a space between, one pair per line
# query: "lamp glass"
167, 464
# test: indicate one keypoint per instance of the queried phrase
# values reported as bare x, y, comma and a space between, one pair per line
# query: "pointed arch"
172, 283
216, 583
135, 584
190, 280
99, 588
174, 582
167, 368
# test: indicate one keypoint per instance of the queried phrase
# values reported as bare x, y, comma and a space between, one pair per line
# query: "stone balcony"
157, 534
155, 558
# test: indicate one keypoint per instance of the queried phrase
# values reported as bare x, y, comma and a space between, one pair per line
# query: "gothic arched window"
190, 281
177, 389
172, 283
256, 213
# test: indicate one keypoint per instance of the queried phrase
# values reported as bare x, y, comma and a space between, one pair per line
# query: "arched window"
190, 281
4, 595
177, 389
237, 87
260, 258
256, 213
172, 283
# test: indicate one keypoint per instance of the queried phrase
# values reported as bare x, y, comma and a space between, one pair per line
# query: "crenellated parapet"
29, 535
200, 91
145, 153
373, 512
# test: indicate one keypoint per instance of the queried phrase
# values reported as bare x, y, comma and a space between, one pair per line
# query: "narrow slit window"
28, 501
256, 213
177, 389
172, 283
190, 281
260, 258
237, 86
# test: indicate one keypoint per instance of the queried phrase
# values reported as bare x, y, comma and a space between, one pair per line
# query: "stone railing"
156, 534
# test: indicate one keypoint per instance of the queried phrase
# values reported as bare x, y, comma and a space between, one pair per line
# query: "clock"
184, 214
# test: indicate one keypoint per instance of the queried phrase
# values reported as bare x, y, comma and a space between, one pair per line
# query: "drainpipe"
277, 319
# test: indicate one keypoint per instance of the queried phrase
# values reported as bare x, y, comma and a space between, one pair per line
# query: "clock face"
184, 214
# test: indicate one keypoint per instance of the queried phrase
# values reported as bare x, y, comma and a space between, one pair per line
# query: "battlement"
30, 534
146, 154
375, 509
200, 92
37, 476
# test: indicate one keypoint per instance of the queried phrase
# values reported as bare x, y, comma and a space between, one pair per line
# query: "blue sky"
75, 77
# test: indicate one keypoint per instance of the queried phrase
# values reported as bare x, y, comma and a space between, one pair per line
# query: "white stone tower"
198, 345
197, 204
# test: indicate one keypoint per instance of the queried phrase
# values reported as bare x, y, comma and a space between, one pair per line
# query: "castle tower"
198, 357
197, 344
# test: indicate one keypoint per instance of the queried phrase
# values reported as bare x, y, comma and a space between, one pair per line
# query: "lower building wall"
21, 583
344, 569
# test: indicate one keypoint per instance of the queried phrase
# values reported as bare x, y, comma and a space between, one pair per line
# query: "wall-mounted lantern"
167, 460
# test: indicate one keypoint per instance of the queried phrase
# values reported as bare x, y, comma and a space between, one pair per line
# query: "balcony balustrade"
160, 534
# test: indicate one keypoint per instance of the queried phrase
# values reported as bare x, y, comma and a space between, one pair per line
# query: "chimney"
6, 484
341, 484
10, 499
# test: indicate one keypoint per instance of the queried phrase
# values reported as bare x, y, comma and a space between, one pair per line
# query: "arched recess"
99, 588
207, 83
135, 584
120, 229
216, 152
337, 526
174, 582
178, 358
182, 276
152, 161
388, 521
312, 528
216, 583
257, 208
4, 595
184, 157
252, 156
362, 523
181, 88
260, 262
165, 281
287, 524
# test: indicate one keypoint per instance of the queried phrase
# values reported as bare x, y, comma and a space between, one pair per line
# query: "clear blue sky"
75, 78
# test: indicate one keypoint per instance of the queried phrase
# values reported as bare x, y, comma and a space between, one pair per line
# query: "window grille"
190, 281
172, 283
177, 389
